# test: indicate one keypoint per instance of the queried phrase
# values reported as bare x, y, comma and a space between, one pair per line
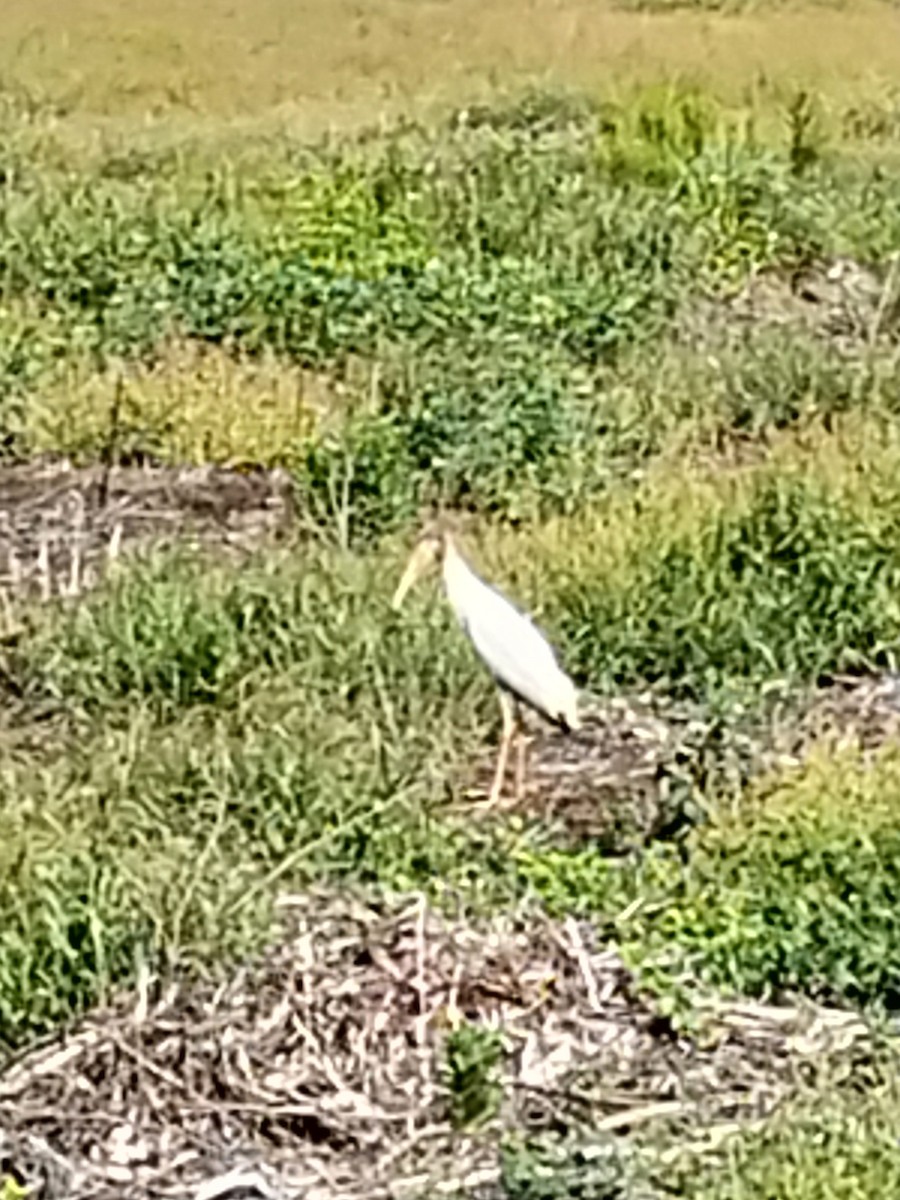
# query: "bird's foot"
493, 799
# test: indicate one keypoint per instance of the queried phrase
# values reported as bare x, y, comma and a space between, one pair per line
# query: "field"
618, 285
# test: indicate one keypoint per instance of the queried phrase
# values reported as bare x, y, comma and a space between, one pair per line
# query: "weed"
566, 1169
499, 280
804, 136
473, 1055
786, 581
490, 312
262, 723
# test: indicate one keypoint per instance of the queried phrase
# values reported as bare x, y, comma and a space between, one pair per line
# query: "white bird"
517, 654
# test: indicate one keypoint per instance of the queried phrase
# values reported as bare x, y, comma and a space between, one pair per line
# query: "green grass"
278, 724
790, 584
840, 1147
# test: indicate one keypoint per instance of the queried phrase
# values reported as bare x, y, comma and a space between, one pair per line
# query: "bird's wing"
516, 652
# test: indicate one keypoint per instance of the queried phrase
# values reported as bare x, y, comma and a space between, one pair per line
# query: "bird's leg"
509, 729
520, 760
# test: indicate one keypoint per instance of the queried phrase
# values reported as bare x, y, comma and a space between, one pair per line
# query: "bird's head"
428, 553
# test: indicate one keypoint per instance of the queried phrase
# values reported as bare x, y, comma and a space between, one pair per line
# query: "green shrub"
792, 582
363, 480
795, 893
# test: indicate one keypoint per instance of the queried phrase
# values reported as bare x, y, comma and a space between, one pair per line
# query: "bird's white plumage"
514, 650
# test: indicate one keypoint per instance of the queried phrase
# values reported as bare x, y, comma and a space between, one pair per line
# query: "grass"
843, 1149
837, 1144
319, 62
508, 337
194, 403
519, 308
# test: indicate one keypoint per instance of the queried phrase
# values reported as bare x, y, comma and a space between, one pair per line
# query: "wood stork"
517, 654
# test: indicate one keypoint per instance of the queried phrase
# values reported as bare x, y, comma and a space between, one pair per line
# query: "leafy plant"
472, 1057
571, 1169
836, 1145
796, 893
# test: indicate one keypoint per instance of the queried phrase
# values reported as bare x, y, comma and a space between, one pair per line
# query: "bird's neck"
454, 566
459, 578
461, 582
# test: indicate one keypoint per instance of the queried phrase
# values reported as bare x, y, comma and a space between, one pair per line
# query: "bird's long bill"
419, 562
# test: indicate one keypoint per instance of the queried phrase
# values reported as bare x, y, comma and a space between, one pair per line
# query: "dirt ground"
851, 306
61, 525
634, 773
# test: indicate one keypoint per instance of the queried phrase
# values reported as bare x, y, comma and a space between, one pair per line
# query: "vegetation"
473, 1054
842, 1150
845, 1151
506, 283
789, 894
528, 309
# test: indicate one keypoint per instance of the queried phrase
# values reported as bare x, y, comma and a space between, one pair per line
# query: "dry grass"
195, 403
324, 62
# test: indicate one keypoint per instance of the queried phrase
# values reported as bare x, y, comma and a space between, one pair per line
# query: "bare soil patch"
318, 1071
60, 525
640, 765
848, 304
